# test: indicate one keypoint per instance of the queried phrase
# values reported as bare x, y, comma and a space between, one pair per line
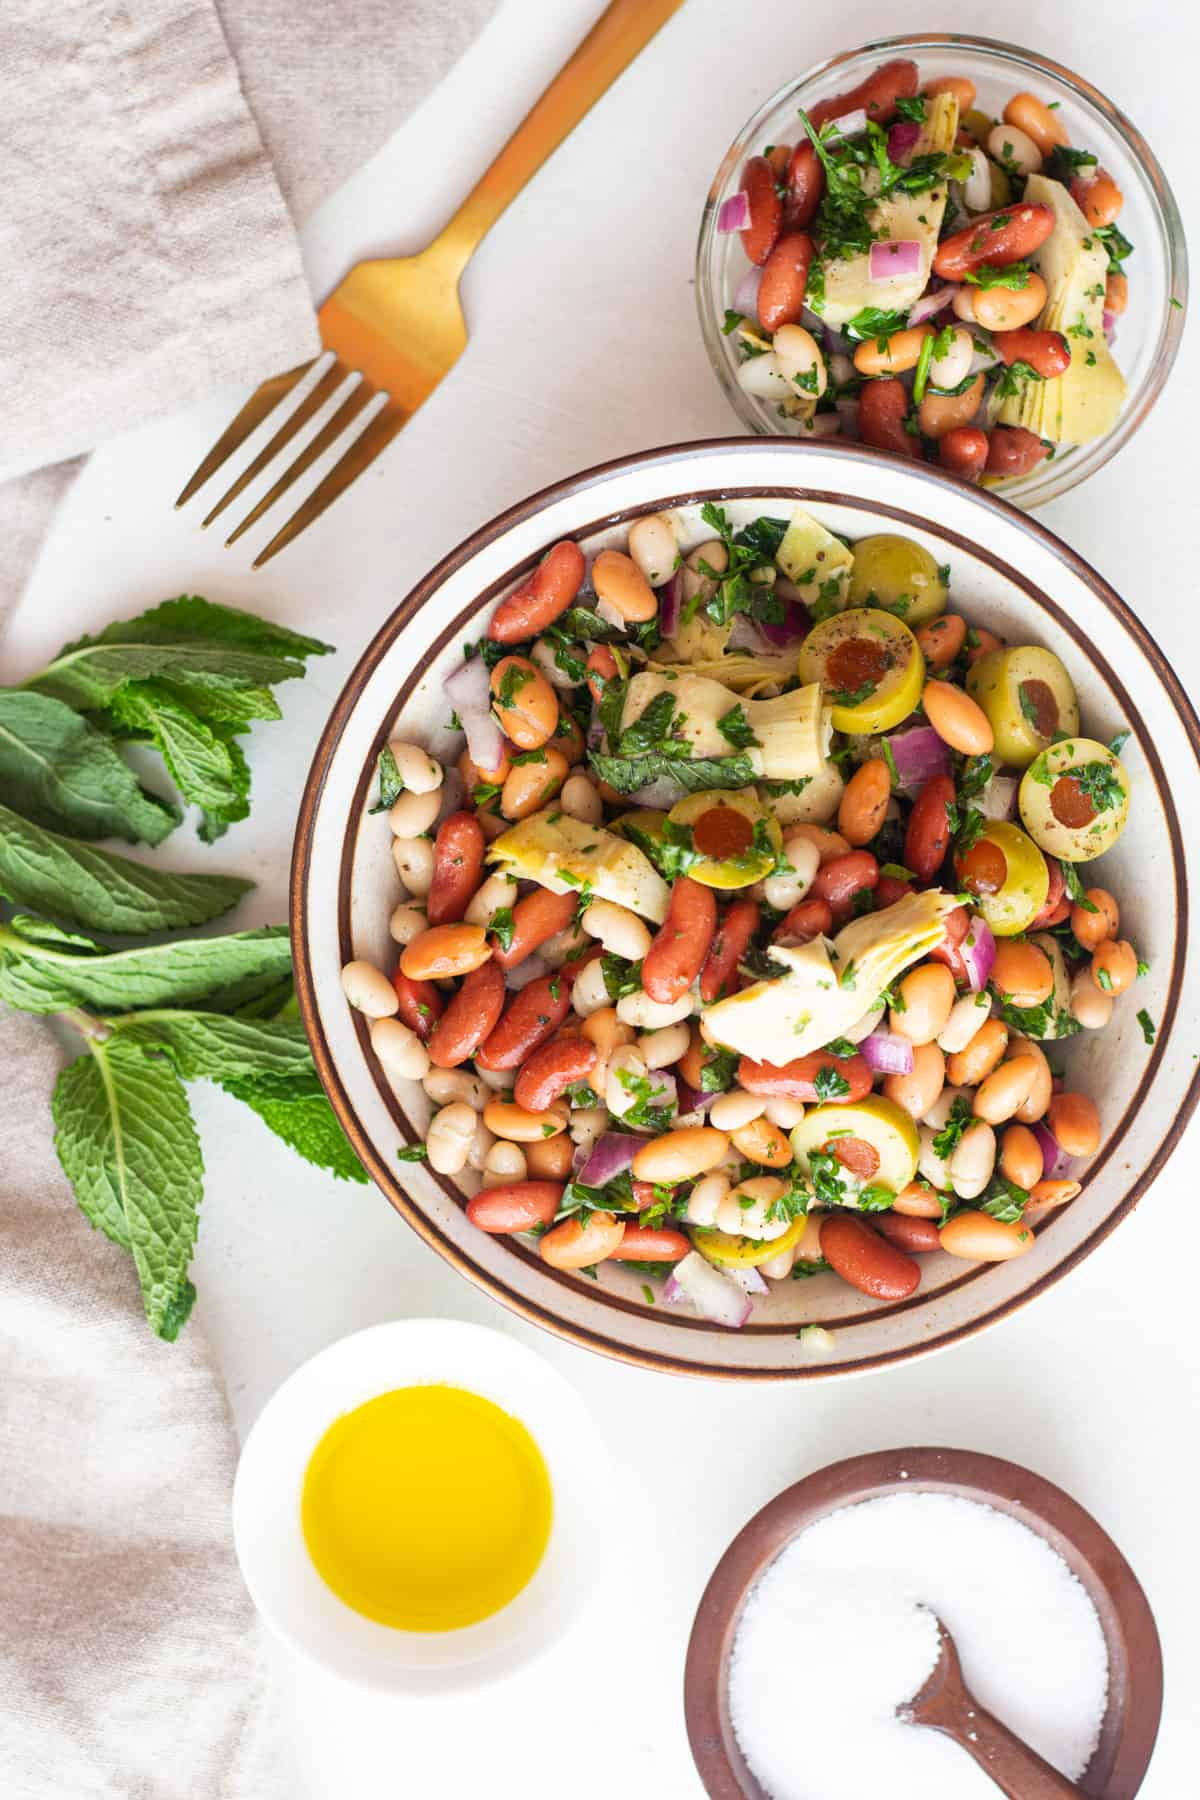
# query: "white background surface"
585, 346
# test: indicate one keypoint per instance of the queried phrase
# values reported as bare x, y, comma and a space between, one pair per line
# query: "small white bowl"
282, 1579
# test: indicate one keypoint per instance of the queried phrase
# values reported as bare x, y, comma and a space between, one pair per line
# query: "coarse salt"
839, 1634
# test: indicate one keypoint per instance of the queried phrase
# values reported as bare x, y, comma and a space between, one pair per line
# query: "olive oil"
426, 1509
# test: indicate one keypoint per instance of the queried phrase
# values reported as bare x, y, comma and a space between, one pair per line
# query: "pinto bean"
918, 1201
1047, 352
471, 1017
1007, 309
1013, 451
539, 601
864, 802
531, 1017
550, 1158
719, 972
998, 238
882, 410
927, 839
578, 1243
421, 1004
458, 852
536, 919
676, 956
1114, 965
893, 355
1093, 925
1035, 119
958, 720
553, 1067
445, 951
917, 1091
784, 279
940, 414
864, 1260
964, 451
761, 1142
680, 1155
760, 236
1075, 1122
796, 1080
978, 1237
515, 1206
942, 639
618, 580
524, 702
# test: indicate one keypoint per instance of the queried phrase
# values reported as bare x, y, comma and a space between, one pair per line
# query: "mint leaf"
628, 773
207, 768
57, 769
390, 785
101, 890
43, 970
205, 1046
126, 1140
307, 1124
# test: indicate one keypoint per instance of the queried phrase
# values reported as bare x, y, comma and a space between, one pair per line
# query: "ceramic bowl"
1007, 572
1135, 1690
1148, 333
280, 1574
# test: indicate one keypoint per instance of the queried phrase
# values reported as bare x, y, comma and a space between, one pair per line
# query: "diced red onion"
714, 1296
746, 634
851, 123
734, 214
470, 694
690, 1099
791, 628
932, 303
919, 754
894, 258
745, 297
669, 596
902, 139
978, 952
887, 1053
1110, 326
610, 1156
1055, 1161
999, 798
749, 1280
847, 412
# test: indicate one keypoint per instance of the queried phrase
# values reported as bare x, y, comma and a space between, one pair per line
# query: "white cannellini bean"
420, 772
967, 1016
842, 368
543, 655
556, 950
1089, 1004
763, 379
500, 1079
504, 1162
731, 1110
586, 1124
619, 930
930, 1164
450, 1137
413, 814
447, 1086
977, 188
481, 1144
662, 1048
407, 923
497, 892
973, 1160
653, 548
651, 1015
580, 799
749, 1219
778, 1268
1010, 146
797, 353
413, 858
865, 1026
939, 1112
947, 370
704, 1201
624, 1061
368, 990
589, 994
785, 891
399, 1050
809, 1247
785, 1113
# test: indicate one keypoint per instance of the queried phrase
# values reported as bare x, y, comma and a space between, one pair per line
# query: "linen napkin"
147, 254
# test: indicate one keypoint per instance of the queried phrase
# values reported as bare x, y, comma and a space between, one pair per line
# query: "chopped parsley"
1013, 378
830, 1084
1100, 782
412, 1153
732, 321
391, 786
719, 1072
947, 1140
620, 977
502, 927
1147, 1025
1004, 1200
987, 275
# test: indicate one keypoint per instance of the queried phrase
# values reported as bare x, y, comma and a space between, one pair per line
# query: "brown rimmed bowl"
1007, 572
1135, 1676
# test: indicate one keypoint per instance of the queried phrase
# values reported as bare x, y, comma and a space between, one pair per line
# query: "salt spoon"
947, 1704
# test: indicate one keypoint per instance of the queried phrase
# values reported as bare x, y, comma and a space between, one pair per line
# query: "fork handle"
621, 31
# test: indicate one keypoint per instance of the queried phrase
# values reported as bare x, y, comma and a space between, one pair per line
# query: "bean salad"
739, 937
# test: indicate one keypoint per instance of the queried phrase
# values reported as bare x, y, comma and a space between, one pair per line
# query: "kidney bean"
797, 1080
1014, 451
601, 667
942, 639
865, 801
918, 1201
949, 952
1047, 352
927, 838
806, 187
532, 785
676, 956
809, 918
784, 279
1100, 200
578, 1243
531, 1017
727, 949
538, 917
862, 1258
457, 868
917, 1236
538, 601
470, 1017
421, 1004
515, 1206
760, 236
551, 1070
964, 451
837, 882
876, 96
889, 889
882, 410
998, 238
645, 1243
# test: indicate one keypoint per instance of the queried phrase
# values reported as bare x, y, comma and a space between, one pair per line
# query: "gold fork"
398, 322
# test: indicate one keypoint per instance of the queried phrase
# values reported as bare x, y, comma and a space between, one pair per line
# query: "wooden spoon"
947, 1704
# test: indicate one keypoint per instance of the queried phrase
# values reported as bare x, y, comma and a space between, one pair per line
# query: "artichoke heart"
564, 854
789, 734
828, 985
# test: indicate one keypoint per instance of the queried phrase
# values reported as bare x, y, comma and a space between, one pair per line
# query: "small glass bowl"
1148, 332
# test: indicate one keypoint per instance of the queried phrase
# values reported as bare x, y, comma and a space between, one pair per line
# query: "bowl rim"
541, 1313
1135, 1694
1174, 239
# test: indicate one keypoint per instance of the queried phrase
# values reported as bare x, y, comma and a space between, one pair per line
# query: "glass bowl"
1148, 332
